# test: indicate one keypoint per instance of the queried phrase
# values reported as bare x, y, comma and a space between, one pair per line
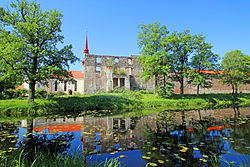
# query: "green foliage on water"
118, 101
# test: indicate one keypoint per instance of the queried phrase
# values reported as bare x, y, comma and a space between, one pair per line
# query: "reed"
51, 160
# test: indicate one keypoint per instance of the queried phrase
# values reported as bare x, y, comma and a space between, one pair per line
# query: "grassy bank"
118, 101
21, 159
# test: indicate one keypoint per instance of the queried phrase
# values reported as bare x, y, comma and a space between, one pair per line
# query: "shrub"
60, 93
24, 91
77, 94
41, 93
146, 91
166, 91
122, 71
20, 92
132, 94
115, 71
57, 94
10, 93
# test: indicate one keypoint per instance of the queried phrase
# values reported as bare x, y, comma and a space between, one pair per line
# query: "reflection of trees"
42, 145
170, 139
209, 143
236, 113
240, 135
8, 136
240, 139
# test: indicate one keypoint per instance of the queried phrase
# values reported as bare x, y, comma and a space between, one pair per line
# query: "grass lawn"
117, 102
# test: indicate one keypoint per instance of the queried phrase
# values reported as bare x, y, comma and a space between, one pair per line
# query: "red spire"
86, 51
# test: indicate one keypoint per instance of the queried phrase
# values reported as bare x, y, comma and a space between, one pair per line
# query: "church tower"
86, 50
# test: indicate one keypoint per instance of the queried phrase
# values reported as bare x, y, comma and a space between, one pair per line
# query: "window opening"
122, 82
65, 85
75, 85
129, 61
98, 60
116, 60
130, 71
55, 85
115, 82
97, 70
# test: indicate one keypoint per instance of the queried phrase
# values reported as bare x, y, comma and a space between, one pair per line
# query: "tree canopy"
236, 69
153, 58
163, 52
29, 39
203, 59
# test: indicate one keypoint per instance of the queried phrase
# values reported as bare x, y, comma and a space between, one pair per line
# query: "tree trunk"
198, 89
182, 85
164, 80
236, 89
156, 84
30, 144
199, 112
32, 84
233, 89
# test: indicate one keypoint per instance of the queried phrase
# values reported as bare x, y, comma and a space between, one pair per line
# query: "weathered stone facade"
106, 73
217, 87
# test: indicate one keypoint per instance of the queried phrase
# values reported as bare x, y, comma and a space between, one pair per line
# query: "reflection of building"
110, 134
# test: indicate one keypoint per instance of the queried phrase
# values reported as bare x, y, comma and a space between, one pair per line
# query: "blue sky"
113, 24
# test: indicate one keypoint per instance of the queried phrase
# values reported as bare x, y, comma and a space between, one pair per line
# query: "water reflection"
187, 138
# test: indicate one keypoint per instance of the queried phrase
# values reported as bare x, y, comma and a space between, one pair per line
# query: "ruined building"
106, 73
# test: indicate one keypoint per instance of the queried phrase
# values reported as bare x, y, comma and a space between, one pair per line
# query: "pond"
184, 138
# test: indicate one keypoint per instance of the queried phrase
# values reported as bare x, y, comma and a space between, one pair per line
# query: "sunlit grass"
117, 102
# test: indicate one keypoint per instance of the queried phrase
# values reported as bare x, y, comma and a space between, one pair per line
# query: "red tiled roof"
77, 74
209, 72
19, 87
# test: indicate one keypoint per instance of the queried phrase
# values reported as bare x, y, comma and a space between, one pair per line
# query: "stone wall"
217, 87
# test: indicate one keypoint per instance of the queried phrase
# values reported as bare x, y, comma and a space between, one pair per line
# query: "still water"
185, 138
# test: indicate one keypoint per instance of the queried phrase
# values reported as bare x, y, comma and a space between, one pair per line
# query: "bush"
10, 93
122, 71
132, 94
24, 92
41, 93
60, 93
77, 94
20, 92
166, 91
57, 94
146, 91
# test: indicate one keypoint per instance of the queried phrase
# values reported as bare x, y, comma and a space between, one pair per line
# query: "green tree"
153, 57
203, 59
9, 81
163, 53
29, 39
181, 47
235, 66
